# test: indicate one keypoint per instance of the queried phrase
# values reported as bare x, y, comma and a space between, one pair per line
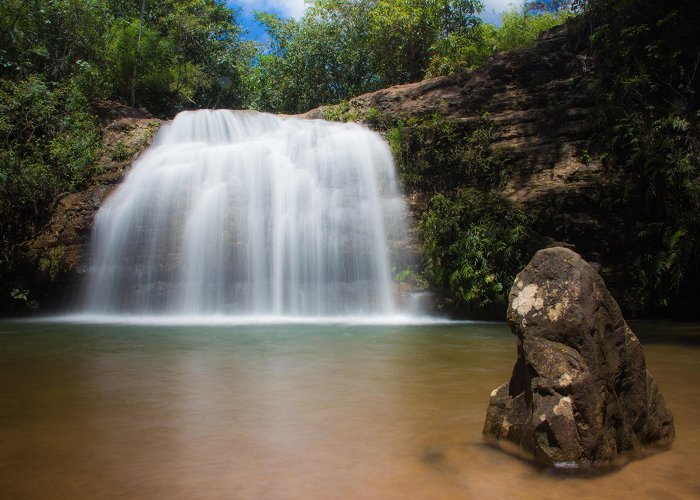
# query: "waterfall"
246, 213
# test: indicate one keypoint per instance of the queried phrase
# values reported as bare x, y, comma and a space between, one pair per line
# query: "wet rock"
580, 393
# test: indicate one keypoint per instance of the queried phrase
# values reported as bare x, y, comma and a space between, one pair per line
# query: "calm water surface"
108, 411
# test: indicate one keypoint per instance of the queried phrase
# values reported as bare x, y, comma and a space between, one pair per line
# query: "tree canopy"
342, 48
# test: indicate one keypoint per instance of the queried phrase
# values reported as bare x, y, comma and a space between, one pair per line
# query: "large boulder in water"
580, 392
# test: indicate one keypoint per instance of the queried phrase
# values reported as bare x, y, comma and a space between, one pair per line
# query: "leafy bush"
47, 146
437, 154
463, 51
475, 244
521, 29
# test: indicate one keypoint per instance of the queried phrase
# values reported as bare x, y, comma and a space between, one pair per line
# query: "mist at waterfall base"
239, 216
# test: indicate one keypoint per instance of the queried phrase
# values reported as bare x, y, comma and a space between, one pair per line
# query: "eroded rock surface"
580, 392
537, 100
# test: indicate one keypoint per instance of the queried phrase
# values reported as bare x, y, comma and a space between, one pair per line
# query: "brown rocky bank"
580, 393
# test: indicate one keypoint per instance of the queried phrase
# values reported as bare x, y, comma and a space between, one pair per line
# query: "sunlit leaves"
342, 48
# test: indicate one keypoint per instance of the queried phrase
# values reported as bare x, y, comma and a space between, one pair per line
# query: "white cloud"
296, 8
286, 8
494, 8
499, 6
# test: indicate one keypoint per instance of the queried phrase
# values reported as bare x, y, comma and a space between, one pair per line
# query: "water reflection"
290, 412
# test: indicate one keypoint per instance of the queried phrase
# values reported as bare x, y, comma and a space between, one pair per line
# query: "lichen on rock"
580, 393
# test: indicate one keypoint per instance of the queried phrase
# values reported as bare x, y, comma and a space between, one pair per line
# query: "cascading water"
245, 213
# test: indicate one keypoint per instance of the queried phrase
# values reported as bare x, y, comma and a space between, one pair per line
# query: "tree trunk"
138, 55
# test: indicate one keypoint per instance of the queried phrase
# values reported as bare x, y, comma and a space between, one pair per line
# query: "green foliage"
519, 30
407, 32
412, 277
321, 59
662, 197
166, 56
176, 55
21, 295
540, 6
342, 48
53, 262
338, 112
473, 241
342, 112
121, 152
461, 51
130, 44
475, 244
49, 38
438, 154
647, 82
47, 146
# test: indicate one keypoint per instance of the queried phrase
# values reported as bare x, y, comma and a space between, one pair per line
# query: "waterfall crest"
246, 213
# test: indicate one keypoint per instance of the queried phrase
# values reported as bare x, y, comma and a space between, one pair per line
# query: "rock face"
538, 102
580, 393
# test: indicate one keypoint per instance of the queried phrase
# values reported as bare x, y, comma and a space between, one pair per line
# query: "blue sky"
295, 8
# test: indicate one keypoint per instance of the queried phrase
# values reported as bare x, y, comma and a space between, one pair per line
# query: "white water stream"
242, 213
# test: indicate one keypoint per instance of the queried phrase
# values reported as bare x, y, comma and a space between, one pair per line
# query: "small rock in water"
580, 393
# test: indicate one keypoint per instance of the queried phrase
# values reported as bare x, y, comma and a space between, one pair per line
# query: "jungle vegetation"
59, 59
